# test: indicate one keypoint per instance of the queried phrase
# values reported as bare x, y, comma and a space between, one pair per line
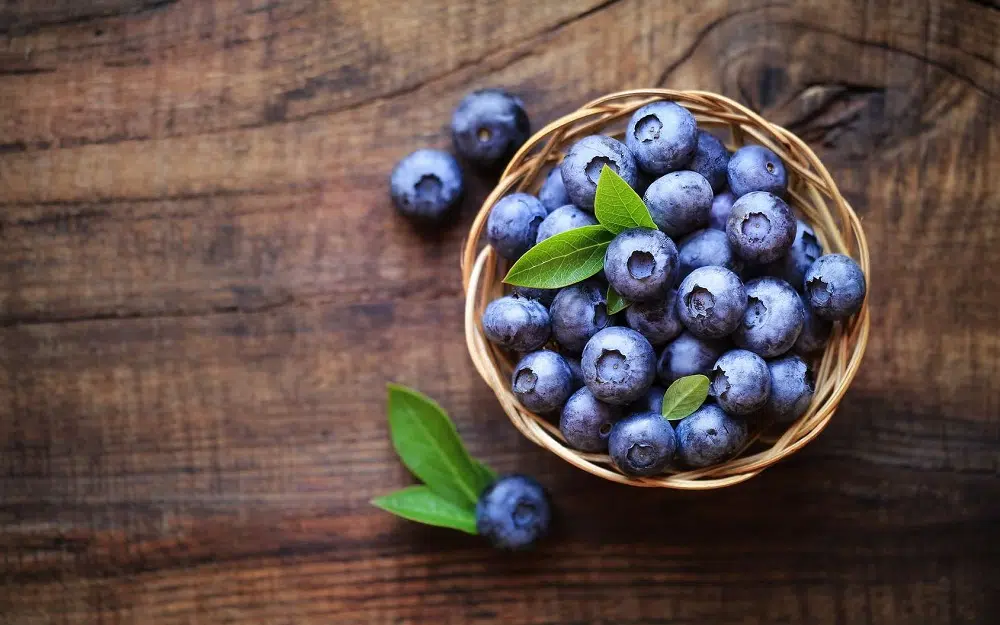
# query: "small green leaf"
485, 475
421, 504
562, 260
617, 206
684, 396
616, 303
428, 444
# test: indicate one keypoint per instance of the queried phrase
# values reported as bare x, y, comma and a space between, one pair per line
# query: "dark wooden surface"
203, 290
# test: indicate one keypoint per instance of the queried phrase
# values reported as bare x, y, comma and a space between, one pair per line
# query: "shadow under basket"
811, 192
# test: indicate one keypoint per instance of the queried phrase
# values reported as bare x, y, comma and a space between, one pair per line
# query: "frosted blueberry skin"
663, 137
709, 436
426, 185
761, 227
542, 381
512, 226
688, 355
711, 160
563, 219
657, 319
488, 126
773, 318
707, 247
756, 168
835, 286
641, 264
553, 194
722, 208
619, 365
513, 513
815, 332
642, 444
740, 382
711, 302
651, 401
581, 169
805, 250
579, 312
542, 296
522, 325
679, 202
791, 389
586, 421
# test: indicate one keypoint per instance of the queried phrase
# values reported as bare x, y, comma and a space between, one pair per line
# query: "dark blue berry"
562, 219
651, 401
815, 332
709, 436
641, 264
513, 513
761, 227
553, 194
740, 382
711, 302
835, 286
516, 323
586, 421
704, 248
619, 365
578, 313
512, 226
711, 160
426, 185
543, 296
642, 444
791, 389
688, 355
657, 319
581, 169
801, 255
756, 168
663, 136
722, 208
542, 381
488, 127
679, 202
773, 318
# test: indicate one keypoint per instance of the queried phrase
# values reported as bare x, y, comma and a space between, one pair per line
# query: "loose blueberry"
513, 512
553, 194
711, 160
704, 248
791, 389
761, 227
657, 319
663, 136
651, 401
426, 185
562, 219
581, 169
688, 355
835, 286
679, 202
516, 323
642, 444
756, 168
543, 296
641, 264
740, 382
542, 381
773, 318
722, 208
578, 313
489, 126
711, 302
619, 365
586, 421
815, 332
801, 255
709, 436
512, 226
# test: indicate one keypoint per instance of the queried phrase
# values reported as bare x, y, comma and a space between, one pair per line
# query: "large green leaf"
684, 396
421, 504
617, 206
564, 259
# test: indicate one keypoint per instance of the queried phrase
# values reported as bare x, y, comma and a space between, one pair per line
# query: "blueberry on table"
579, 312
641, 264
711, 302
619, 365
663, 137
642, 444
657, 319
740, 382
516, 323
756, 168
711, 160
773, 318
815, 332
542, 381
709, 436
488, 127
679, 202
791, 389
801, 255
543, 296
722, 208
688, 355
562, 219
835, 286
651, 401
704, 248
553, 194
586, 421
581, 169
761, 227
426, 185
512, 226
513, 513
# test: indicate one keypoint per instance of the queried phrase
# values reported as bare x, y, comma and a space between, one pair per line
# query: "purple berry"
586, 421
761, 227
663, 136
688, 355
579, 312
791, 389
488, 127
516, 323
641, 264
704, 248
581, 169
426, 185
709, 436
642, 444
657, 319
563, 219
679, 202
815, 332
722, 208
835, 286
512, 226
756, 168
513, 513
740, 382
553, 194
711, 302
619, 365
711, 160
542, 381
773, 318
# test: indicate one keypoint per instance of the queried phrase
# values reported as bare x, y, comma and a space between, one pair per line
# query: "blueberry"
513, 512
663, 136
542, 381
756, 168
543, 296
815, 332
704, 248
651, 401
791, 389
562, 219
516, 323
578, 313
801, 255
656, 319
619, 365
711, 160
709, 436
426, 185
722, 208
773, 318
513, 224
688, 355
761, 227
641, 264
488, 127
835, 286
553, 192
581, 169
586, 421
679, 202
711, 302
577, 370
642, 444
740, 382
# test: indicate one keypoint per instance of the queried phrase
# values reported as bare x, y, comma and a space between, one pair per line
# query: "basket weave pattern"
811, 191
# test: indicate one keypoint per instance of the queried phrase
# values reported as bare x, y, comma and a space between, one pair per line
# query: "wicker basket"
811, 191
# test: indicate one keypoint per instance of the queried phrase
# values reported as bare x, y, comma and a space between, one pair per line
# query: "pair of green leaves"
684, 396
428, 444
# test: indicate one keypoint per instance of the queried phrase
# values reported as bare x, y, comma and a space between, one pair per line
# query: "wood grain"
204, 290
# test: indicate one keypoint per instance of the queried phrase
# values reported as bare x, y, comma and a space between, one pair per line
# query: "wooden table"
205, 289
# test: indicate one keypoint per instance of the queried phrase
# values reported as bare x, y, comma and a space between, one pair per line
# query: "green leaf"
562, 260
484, 474
684, 396
421, 504
428, 444
616, 303
617, 206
